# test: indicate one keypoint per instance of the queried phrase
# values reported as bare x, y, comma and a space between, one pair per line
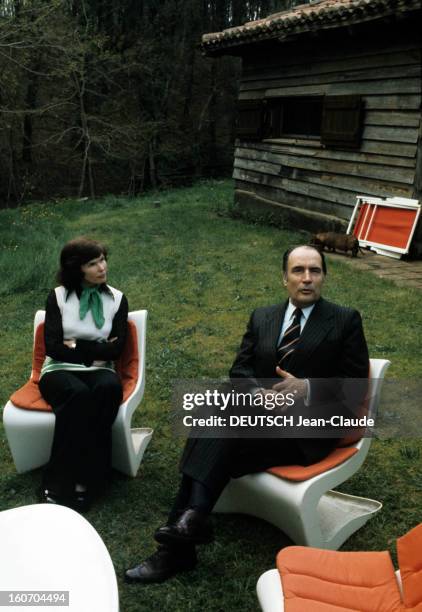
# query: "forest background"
114, 96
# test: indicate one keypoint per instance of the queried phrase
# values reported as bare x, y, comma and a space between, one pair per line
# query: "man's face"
304, 277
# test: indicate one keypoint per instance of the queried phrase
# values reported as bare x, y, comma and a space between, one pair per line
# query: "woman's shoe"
48, 496
80, 501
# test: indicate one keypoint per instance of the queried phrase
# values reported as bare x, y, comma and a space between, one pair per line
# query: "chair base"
340, 515
140, 438
127, 456
323, 521
30, 436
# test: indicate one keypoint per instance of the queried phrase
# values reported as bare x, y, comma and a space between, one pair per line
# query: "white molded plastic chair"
46, 547
270, 591
30, 432
129, 444
308, 511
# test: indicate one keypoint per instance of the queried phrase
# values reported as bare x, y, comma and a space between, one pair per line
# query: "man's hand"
290, 384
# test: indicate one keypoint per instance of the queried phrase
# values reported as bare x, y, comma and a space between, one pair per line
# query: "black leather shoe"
192, 527
161, 565
48, 496
81, 501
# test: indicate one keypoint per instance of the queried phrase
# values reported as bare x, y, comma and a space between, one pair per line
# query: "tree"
114, 95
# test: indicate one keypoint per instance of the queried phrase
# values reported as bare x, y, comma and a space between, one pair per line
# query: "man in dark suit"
305, 339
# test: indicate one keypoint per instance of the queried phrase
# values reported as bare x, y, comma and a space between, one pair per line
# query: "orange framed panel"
385, 225
392, 226
359, 228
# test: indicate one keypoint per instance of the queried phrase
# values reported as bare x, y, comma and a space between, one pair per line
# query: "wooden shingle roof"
326, 14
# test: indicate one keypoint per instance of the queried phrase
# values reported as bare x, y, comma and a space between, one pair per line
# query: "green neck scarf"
91, 300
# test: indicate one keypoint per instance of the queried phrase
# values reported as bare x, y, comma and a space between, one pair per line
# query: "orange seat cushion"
317, 580
38, 354
330, 581
345, 449
300, 472
29, 396
409, 552
128, 363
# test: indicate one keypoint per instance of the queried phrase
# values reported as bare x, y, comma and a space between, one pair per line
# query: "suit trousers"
85, 405
213, 461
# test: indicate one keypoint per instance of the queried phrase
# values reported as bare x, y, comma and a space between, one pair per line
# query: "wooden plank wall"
301, 172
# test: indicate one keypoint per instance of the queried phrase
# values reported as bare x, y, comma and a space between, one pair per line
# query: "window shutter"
272, 118
249, 120
342, 121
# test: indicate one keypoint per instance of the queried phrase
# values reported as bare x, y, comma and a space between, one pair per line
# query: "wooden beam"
367, 146
390, 134
417, 193
274, 164
351, 57
269, 152
340, 76
294, 212
394, 119
330, 187
375, 87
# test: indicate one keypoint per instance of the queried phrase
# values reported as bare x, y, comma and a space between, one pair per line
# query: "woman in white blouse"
85, 332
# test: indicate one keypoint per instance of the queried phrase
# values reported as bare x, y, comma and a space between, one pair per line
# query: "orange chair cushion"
344, 451
329, 581
38, 354
29, 396
409, 552
300, 472
128, 362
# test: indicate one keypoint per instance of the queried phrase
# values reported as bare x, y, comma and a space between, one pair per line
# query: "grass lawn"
199, 273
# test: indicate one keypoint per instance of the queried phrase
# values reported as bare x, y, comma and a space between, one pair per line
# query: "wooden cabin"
329, 108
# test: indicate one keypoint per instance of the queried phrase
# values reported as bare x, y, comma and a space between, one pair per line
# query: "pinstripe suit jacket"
332, 345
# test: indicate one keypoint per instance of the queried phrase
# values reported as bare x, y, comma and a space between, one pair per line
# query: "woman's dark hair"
286, 256
74, 254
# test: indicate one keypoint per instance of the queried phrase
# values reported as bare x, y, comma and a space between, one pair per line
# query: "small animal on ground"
334, 241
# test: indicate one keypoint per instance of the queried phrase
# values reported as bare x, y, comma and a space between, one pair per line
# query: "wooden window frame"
341, 120
274, 123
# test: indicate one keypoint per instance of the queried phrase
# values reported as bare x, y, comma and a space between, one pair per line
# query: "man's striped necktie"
289, 340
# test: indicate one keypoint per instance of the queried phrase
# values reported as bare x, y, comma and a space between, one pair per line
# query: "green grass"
199, 273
